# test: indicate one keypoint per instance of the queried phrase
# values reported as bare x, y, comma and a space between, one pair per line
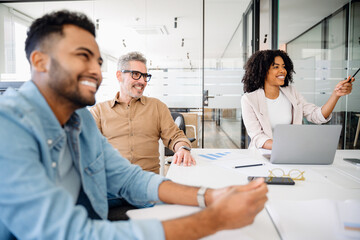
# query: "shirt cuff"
153, 187
185, 140
321, 117
261, 141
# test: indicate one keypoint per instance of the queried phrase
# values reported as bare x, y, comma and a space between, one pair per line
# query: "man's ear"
119, 76
39, 61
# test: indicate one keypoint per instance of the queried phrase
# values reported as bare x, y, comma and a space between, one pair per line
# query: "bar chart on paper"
230, 159
214, 156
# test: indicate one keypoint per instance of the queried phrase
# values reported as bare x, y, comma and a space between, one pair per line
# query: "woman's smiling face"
277, 73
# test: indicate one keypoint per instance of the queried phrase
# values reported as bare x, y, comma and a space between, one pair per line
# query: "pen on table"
251, 165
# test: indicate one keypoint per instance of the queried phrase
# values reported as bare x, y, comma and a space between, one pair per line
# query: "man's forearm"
228, 208
190, 227
195, 226
173, 193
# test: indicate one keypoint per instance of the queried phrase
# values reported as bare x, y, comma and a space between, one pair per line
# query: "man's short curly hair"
52, 24
259, 64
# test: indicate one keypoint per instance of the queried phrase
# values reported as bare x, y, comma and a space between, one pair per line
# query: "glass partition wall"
196, 51
223, 70
192, 47
325, 54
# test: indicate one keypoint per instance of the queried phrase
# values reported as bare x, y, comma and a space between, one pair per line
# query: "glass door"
223, 71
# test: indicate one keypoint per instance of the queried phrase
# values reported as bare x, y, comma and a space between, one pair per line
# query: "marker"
251, 165
354, 75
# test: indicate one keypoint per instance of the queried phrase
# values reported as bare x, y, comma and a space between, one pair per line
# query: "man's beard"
66, 86
135, 96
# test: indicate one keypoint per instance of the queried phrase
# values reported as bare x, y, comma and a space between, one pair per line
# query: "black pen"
251, 165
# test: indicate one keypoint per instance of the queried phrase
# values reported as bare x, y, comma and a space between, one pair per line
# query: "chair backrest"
179, 121
161, 157
5, 84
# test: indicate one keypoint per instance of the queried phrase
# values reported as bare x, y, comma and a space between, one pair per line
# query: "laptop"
305, 144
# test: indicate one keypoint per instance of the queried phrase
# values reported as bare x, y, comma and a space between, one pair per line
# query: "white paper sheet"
314, 219
349, 215
229, 159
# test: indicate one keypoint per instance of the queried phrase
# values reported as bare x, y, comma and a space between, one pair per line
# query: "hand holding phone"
275, 180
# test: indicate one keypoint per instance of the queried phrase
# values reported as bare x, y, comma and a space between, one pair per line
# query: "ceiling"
120, 21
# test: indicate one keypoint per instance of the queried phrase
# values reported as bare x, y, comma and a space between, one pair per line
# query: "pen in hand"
353, 75
251, 165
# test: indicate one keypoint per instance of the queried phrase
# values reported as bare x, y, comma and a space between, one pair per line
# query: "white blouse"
279, 110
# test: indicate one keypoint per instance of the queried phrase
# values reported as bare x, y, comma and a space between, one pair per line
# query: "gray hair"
124, 60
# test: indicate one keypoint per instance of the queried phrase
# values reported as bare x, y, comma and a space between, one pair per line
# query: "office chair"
180, 122
165, 153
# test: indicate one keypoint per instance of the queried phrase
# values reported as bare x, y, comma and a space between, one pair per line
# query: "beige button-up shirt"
135, 129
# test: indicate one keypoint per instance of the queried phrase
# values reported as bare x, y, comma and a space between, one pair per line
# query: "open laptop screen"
305, 144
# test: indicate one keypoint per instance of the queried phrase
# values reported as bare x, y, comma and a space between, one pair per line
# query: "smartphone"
354, 75
355, 161
275, 180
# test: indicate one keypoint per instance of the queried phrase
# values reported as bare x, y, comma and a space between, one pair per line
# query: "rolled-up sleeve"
312, 112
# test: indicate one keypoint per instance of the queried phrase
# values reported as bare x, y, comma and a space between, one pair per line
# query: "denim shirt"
33, 207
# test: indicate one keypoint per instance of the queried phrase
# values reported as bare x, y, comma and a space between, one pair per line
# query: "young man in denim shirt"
56, 169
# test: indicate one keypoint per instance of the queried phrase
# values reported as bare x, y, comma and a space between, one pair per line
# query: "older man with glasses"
133, 123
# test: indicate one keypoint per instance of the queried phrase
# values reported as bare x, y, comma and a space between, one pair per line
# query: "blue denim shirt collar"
54, 131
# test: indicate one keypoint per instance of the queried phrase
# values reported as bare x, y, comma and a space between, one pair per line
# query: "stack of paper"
316, 219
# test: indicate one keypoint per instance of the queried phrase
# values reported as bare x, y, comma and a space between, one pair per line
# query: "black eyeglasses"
136, 75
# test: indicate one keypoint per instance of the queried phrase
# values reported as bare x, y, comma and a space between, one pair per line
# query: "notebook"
305, 144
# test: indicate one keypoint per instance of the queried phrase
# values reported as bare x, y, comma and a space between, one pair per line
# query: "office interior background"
196, 50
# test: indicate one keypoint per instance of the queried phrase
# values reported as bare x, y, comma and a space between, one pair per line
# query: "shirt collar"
116, 100
74, 122
37, 105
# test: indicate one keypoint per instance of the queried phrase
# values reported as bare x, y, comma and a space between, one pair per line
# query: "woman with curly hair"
269, 100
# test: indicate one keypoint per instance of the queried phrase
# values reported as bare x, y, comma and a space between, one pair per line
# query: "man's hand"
184, 156
237, 206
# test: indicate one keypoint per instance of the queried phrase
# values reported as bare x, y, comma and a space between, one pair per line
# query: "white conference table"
306, 210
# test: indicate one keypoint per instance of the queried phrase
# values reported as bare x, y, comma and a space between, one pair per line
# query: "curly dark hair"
52, 23
258, 65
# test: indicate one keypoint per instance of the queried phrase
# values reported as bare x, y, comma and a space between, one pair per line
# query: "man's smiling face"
75, 66
131, 87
